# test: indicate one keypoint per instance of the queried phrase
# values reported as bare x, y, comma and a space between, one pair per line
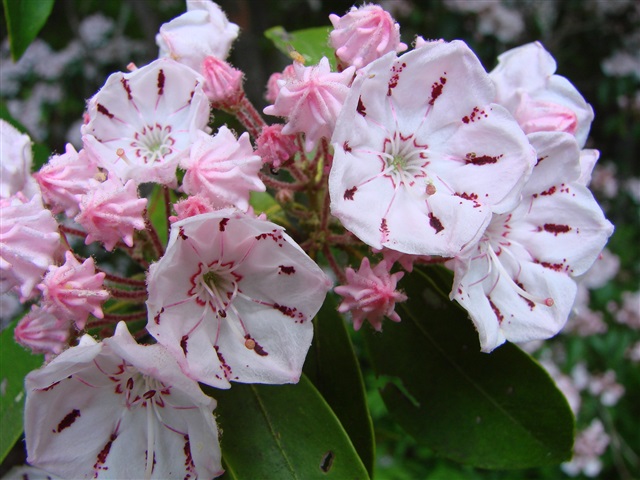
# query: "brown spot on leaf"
327, 461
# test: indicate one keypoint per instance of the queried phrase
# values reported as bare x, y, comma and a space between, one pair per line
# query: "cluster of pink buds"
393, 160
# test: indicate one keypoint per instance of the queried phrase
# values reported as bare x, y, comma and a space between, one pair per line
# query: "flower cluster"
417, 157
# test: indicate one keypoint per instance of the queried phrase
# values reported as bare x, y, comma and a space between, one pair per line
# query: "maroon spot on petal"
348, 193
287, 270
496, 310
393, 81
476, 114
558, 267
50, 387
361, 108
288, 311
103, 110
436, 89
435, 223
223, 224
225, 367
149, 394
541, 159
181, 233
472, 197
345, 145
104, 453
183, 344
472, 158
68, 420
156, 319
529, 302
551, 191
161, 79
188, 462
127, 88
130, 383
251, 344
556, 229
274, 235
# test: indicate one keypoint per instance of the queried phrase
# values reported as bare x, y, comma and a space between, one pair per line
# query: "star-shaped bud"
370, 294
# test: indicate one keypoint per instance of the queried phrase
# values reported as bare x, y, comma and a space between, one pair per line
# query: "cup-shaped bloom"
117, 409
223, 169
311, 100
518, 282
74, 290
233, 298
29, 240
15, 167
364, 34
143, 122
111, 211
422, 157
202, 31
539, 100
370, 294
64, 179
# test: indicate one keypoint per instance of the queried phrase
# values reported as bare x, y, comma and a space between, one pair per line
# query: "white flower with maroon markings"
233, 298
142, 123
420, 170
117, 409
539, 100
518, 282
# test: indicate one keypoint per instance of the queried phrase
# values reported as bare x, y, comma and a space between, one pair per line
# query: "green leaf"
263, 202
15, 363
497, 411
24, 20
283, 432
158, 213
333, 368
311, 43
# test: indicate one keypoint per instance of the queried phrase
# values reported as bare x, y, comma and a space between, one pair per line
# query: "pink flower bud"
111, 211
364, 34
74, 290
191, 206
370, 294
274, 84
223, 83
42, 332
274, 147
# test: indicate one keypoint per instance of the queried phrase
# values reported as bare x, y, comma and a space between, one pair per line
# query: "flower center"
215, 285
404, 159
153, 143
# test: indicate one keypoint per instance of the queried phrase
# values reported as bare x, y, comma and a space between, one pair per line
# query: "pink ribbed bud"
363, 35
74, 290
64, 179
274, 147
191, 206
42, 332
223, 83
274, 85
370, 294
111, 211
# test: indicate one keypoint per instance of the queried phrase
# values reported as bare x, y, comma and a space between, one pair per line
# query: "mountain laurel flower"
29, 241
421, 170
117, 409
275, 148
64, 179
233, 298
223, 83
190, 206
311, 100
518, 282
111, 211
223, 169
15, 167
274, 84
143, 122
370, 294
202, 31
74, 290
539, 100
42, 331
363, 35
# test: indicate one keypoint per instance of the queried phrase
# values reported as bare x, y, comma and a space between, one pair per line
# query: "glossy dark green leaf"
24, 20
498, 410
311, 43
15, 363
283, 432
333, 368
157, 211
